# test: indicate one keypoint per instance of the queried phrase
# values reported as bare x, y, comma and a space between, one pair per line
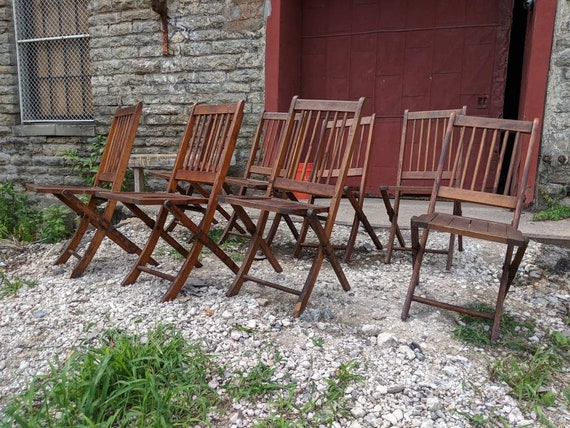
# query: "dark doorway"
514, 74
515, 61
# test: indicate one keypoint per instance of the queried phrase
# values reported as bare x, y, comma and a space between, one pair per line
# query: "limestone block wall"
554, 163
216, 53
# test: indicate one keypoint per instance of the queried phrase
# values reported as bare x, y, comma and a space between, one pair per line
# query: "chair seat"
472, 227
281, 206
152, 198
59, 189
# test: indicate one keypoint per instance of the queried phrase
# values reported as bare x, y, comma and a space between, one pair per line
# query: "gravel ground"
442, 383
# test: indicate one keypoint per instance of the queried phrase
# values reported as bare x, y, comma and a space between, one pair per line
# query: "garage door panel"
420, 13
447, 51
390, 52
414, 54
476, 104
417, 72
337, 89
482, 11
365, 14
445, 91
420, 39
391, 14
313, 22
450, 12
418, 102
477, 69
362, 74
388, 95
314, 46
313, 82
486, 35
338, 57
339, 16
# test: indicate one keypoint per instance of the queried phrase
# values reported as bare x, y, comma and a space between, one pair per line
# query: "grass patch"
476, 330
321, 407
554, 210
233, 246
155, 381
22, 220
9, 287
535, 373
554, 213
160, 380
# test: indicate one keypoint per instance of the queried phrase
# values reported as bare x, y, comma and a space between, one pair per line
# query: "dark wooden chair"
353, 191
490, 166
420, 147
327, 149
110, 174
262, 155
203, 159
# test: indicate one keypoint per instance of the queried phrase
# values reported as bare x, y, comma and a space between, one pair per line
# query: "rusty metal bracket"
161, 7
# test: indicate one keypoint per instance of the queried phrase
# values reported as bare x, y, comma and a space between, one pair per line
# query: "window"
53, 60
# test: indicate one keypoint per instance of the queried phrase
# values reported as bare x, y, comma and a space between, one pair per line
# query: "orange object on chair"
303, 173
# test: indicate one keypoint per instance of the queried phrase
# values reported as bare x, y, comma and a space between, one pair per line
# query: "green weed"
554, 210
159, 380
9, 287
18, 215
476, 330
86, 164
85, 167
153, 381
22, 220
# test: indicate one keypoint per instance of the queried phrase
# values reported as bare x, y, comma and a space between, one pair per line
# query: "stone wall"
216, 54
554, 162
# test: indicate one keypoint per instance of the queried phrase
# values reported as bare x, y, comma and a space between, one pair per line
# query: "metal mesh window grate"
53, 60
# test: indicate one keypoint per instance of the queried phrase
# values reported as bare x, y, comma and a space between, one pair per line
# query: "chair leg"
315, 268
450, 249
198, 234
328, 250
230, 225
418, 250
104, 228
89, 254
502, 294
254, 246
457, 211
302, 237
359, 217
515, 263
74, 242
146, 254
394, 228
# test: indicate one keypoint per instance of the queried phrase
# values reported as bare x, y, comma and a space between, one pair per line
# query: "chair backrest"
207, 145
420, 145
120, 141
490, 163
362, 148
315, 158
265, 146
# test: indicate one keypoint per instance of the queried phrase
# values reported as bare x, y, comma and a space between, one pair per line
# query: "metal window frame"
20, 43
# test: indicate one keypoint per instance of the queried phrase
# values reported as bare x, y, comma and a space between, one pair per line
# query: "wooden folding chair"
203, 159
111, 173
490, 167
327, 149
355, 194
420, 147
262, 155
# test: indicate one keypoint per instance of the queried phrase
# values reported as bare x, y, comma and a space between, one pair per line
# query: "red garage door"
415, 54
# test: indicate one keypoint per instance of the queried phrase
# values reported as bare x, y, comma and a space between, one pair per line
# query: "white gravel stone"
449, 383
